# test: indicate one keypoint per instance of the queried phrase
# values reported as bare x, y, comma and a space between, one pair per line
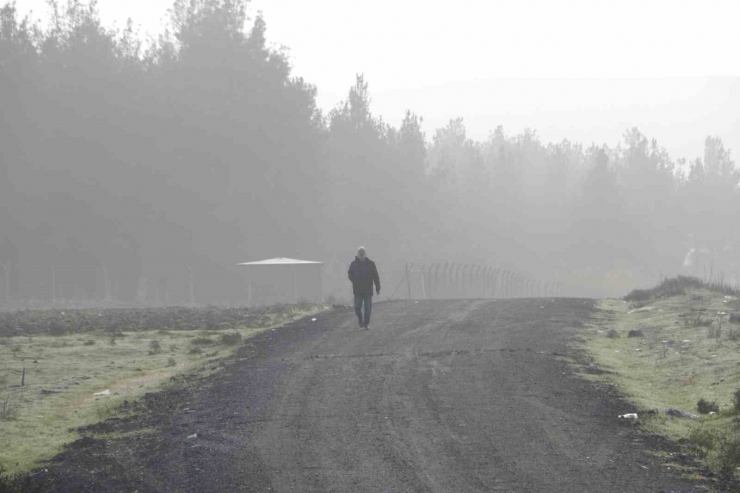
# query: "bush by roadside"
678, 286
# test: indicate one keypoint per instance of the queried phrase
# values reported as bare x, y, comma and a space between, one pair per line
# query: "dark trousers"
368, 301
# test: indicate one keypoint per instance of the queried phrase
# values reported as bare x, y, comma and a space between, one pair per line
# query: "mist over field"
132, 168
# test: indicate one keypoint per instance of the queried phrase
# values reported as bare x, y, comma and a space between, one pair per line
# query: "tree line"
135, 160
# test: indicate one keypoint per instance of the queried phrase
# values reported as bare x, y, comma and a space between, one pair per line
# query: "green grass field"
64, 372
690, 351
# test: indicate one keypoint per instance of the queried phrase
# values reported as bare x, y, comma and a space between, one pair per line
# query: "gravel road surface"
437, 396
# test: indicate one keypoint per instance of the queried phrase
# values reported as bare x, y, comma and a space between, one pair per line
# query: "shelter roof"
280, 261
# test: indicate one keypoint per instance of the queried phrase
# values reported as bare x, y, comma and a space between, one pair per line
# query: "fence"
37, 286
444, 280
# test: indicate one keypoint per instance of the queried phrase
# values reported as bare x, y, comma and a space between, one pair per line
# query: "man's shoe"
367, 326
359, 322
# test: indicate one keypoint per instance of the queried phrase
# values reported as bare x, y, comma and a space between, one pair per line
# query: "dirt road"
438, 396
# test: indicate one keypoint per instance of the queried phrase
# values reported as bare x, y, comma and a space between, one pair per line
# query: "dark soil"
444, 396
116, 321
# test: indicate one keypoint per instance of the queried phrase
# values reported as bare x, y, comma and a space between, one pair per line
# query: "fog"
146, 171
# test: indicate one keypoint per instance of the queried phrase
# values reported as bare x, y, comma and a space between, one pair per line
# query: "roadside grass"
690, 352
63, 372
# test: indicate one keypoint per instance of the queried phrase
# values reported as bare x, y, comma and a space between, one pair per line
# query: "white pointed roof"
280, 261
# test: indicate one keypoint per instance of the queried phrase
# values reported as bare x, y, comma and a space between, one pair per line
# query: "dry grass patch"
64, 372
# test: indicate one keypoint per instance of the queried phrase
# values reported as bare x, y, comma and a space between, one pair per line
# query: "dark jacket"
362, 275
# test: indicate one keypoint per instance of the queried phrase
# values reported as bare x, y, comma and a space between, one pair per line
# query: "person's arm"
376, 278
351, 273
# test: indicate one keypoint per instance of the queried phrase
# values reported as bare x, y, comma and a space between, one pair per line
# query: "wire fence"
39, 286
444, 280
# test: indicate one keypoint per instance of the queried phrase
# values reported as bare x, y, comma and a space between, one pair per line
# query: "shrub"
703, 439
8, 408
155, 347
57, 329
697, 320
728, 458
89, 342
678, 286
736, 400
171, 362
735, 318
17, 483
733, 335
231, 338
201, 341
639, 295
722, 449
195, 350
706, 407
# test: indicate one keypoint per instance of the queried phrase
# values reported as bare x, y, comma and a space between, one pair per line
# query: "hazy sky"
583, 70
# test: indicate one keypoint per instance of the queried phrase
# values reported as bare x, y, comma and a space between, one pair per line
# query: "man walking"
363, 273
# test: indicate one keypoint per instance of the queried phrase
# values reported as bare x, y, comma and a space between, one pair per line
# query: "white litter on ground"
105, 392
628, 416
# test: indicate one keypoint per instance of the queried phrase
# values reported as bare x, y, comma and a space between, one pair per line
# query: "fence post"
519, 285
7, 284
434, 284
192, 287
464, 288
431, 281
53, 285
512, 284
408, 280
446, 284
423, 283
511, 281
106, 284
